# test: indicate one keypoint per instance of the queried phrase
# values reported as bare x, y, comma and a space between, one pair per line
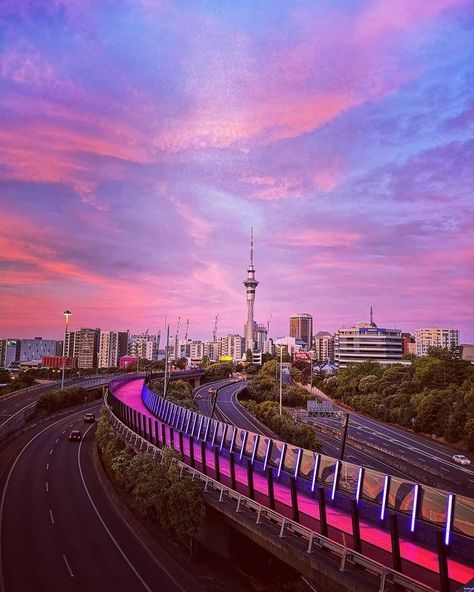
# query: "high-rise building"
301, 327
112, 346
35, 349
367, 342
143, 346
83, 345
211, 349
250, 285
324, 347
232, 345
435, 337
10, 352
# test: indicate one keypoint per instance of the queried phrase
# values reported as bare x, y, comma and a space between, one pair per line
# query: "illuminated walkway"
417, 561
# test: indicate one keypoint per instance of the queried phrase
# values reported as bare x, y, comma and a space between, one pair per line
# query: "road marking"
47, 466
51, 516
63, 432
47, 487
68, 567
71, 425
51, 452
56, 441
119, 548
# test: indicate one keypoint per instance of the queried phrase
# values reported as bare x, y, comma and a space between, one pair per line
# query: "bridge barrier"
261, 514
19, 419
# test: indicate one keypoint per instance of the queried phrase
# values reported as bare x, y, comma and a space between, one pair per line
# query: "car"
198, 396
461, 459
75, 436
89, 418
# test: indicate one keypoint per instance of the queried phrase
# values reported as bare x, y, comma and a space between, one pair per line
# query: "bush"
284, 426
68, 397
159, 494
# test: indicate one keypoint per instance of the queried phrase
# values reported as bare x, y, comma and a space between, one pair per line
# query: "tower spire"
250, 284
251, 247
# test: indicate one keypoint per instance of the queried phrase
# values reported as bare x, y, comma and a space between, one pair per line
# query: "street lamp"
67, 314
281, 378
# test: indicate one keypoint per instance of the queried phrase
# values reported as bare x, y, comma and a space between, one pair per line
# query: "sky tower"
250, 285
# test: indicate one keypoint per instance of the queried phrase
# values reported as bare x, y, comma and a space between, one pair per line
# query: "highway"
404, 444
59, 529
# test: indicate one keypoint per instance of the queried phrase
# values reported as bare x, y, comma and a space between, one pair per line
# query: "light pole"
67, 314
311, 371
281, 378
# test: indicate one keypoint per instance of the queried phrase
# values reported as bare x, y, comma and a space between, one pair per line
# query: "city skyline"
141, 141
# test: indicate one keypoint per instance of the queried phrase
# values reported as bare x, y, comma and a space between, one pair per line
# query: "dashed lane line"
51, 516
68, 567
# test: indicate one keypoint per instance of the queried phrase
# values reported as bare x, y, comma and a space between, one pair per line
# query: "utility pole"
345, 425
281, 379
165, 383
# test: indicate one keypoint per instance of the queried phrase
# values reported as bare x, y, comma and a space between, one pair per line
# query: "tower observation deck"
250, 284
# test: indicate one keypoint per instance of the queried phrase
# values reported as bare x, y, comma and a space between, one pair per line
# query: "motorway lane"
52, 537
17, 401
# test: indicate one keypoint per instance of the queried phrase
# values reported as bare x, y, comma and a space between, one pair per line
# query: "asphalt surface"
59, 529
405, 444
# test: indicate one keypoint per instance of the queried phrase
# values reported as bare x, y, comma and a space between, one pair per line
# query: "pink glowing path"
418, 562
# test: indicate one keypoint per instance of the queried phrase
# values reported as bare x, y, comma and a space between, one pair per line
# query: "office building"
233, 346
35, 349
366, 342
435, 337
10, 352
301, 328
83, 345
467, 352
143, 346
324, 347
112, 346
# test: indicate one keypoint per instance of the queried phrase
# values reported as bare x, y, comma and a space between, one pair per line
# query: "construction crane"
176, 338
186, 334
214, 333
268, 325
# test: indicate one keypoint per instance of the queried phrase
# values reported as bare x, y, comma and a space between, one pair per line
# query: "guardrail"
19, 419
284, 526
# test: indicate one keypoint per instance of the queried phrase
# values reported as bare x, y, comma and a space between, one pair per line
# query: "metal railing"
20, 417
284, 526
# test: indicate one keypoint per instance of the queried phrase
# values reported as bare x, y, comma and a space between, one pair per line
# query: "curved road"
404, 444
58, 527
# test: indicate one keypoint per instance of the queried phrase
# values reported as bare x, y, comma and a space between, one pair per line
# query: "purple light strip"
337, 467
298, 462
449, 519
256, 438
315, 471
244, 441
414, 509
359, 483
282, 458
267, 452
384, 497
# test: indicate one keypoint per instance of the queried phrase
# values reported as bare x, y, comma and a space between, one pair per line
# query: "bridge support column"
217, 467
197, 382
191, 451
294, 499
163, 435
271, 493
157, 439
232, 470
396, 557
322, 511
181, 443
250, 487
171, 438
203, 457
355, 526
442, 562
135, 420
150, 431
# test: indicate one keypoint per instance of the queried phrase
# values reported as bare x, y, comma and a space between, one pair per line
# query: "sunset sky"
140, 140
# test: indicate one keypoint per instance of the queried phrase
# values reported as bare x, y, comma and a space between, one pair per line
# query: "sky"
141, 140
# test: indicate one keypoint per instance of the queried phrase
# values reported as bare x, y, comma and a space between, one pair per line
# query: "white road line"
56, 441
119, 548
51, 452
47, 466
68, 567
51, 516
63, 432
71, 425
47, 487
4, 493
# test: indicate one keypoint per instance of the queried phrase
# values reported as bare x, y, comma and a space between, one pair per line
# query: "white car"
461, 459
